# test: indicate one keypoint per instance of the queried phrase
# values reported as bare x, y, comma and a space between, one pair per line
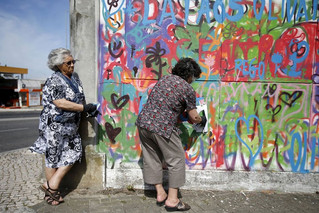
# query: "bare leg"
54, 176
172, 199
49, 172
161, 194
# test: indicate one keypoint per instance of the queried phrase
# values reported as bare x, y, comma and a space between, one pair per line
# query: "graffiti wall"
260, 79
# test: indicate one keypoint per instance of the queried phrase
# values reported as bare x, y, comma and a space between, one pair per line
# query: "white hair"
56, 57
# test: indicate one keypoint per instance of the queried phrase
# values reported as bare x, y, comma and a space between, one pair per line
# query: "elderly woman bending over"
59, 140
160, 138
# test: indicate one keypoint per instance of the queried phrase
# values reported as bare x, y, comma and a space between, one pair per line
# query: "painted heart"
252, 156
119, 103
271, 89
112, 132
289, 99
275, 110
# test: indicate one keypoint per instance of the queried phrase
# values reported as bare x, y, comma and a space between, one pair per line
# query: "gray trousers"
157, 149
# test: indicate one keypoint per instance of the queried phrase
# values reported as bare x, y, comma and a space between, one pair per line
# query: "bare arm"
68, 105
194, 116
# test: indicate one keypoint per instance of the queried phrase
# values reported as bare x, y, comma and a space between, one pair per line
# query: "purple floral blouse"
171, 96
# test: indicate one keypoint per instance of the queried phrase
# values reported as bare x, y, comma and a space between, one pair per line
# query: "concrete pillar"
83, 44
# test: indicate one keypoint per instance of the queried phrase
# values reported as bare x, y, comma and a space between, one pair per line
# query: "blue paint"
114, 155
259, 15
129, 9
146, 21
190, 165
261, 74
313, 152
171, 13
186, 11
314, 9
252, 157
137, 36
289, 14
220, 18
304, 156
291, 152
234, 6
204, 9
251, 70
277, 58
270, 18
143, 100
106, 14
303, 8
296, 58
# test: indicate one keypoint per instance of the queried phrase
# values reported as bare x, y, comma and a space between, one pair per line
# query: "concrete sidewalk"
21, 175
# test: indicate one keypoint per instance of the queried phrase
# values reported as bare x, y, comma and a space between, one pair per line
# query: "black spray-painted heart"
275, 110
289, 99
112, 132
120, 102
271, 89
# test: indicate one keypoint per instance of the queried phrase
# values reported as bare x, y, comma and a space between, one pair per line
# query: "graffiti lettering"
241, 65
290, 13
216, 9
301, 159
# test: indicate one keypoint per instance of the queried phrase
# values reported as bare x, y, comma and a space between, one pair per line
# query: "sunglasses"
70, 62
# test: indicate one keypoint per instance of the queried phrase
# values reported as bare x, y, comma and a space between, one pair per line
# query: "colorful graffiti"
260, 80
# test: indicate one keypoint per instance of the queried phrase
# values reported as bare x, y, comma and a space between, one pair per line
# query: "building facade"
17, 92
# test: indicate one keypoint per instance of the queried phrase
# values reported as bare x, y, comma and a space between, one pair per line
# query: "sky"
29, 30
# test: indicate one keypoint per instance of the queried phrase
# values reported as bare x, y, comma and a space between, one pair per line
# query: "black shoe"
161, 203
179, 207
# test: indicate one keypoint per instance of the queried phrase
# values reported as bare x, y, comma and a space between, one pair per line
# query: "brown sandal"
53, 193
50, 200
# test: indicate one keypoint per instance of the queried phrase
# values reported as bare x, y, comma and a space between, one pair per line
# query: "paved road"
18, 129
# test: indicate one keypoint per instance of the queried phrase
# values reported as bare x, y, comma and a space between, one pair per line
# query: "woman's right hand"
89, 108
194, 117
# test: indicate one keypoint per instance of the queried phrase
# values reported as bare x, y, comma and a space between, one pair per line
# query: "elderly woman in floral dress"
59, 140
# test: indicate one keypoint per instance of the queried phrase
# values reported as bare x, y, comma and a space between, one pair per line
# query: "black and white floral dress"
58, 138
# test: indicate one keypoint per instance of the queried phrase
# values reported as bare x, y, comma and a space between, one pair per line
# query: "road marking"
18, 119
11, 130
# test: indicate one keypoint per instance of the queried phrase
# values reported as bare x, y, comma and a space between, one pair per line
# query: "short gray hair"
56, 57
